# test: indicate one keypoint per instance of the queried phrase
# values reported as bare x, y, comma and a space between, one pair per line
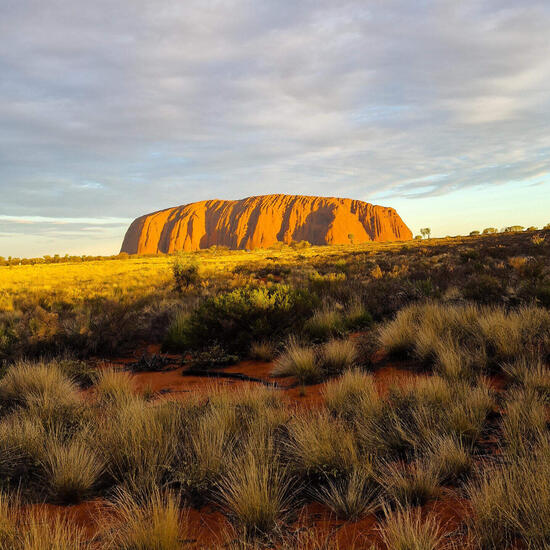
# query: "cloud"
114, 109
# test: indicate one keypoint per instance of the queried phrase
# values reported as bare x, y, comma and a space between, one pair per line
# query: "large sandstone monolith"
260, 222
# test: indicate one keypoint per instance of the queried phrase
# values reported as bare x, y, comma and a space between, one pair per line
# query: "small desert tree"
490, 230
185, 272
474, 233
426, 232
514, 228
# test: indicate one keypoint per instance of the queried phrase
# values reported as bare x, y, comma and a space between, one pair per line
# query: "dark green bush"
185, 274
238, 318
484, 289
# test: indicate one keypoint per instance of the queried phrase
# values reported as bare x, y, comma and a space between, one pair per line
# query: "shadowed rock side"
259, 222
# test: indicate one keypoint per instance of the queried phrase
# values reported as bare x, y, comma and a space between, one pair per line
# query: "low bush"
214, 356
236, 319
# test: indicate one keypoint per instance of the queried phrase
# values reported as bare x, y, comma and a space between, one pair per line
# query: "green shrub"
237, 318
185, 273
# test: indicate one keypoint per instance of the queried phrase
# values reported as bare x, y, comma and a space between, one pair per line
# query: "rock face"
259, 222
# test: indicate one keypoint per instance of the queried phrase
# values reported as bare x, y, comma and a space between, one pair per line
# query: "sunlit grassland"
73, 282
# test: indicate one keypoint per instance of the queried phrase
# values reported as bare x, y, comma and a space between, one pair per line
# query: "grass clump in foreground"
406, 530
462, 341
413, 484
511, 503
338, 356
299, 361
72, 469
256, 493
351, 496
150, 522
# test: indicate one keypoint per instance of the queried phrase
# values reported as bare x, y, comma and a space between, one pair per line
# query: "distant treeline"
57, 259
296, 245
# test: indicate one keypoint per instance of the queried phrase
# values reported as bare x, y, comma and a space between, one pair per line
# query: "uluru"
261, 222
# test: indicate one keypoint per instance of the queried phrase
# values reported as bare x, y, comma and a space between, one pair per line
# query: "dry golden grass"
320, 445
352, 394
71, 470
406, 530
153, 522
337, 356
256, 492
412, 484
511, 503
114, 386
353, 495
26, 381
299, 361
139, 442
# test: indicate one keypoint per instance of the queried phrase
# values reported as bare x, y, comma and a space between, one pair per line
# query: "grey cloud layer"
119, 108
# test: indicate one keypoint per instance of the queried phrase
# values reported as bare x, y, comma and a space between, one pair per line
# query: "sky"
110, 110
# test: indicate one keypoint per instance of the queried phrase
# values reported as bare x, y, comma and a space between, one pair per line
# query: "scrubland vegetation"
452, 451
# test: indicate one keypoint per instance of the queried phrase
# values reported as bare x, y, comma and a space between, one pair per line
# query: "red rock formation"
259, 222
